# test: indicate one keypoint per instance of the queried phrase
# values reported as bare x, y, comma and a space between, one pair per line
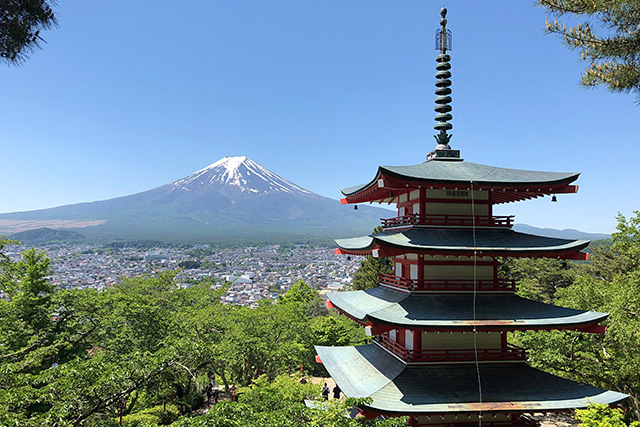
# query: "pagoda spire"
443, 92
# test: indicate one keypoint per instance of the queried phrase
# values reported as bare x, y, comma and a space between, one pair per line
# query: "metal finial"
443, 90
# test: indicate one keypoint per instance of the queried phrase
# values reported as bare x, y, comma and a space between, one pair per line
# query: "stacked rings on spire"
443, 91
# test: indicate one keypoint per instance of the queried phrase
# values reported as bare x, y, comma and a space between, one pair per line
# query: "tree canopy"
82, 357
368, 274
21, 22
607, 35
610, 283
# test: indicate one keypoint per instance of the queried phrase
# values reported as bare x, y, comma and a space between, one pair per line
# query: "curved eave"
369, 371
507, 185
383, 306
461, 242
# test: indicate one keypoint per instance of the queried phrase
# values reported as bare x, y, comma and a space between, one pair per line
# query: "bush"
140, 419
154, 416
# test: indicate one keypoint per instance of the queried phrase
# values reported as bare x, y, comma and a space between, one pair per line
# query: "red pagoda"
440, 353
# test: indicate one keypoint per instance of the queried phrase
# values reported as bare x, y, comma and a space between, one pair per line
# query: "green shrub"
157, 415
139, 420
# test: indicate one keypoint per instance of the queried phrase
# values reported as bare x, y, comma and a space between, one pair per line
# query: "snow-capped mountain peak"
237, 173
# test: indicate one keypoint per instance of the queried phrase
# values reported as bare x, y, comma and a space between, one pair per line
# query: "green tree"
280, 404
607, 36
601, 415
21, 22
626, 240
70, 357
538, 279
306, 298
611, 361
367, 275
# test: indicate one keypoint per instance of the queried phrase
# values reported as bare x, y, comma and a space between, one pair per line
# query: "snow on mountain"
240, 172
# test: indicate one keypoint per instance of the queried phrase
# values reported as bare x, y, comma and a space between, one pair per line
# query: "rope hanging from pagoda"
443, 90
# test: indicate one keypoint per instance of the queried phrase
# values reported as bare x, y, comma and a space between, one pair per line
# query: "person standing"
208, 392
325, 392
336, 392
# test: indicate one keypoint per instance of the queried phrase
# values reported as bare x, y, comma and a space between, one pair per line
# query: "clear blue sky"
129, 95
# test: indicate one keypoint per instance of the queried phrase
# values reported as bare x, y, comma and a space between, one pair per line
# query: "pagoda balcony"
446, 285
511, 353
448, 221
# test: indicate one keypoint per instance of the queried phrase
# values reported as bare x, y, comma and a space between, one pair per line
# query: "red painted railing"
512, 352
442, 285
448, 220
392, 346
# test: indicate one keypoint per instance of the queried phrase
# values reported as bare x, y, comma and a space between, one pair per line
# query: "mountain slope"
567, 233
233, 198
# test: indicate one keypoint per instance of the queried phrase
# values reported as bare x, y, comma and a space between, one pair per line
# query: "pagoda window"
392, 335
408, 339
416, 209
401, 211
398, 269
413, 271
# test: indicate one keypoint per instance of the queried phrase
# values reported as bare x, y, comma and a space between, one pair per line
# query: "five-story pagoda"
440, 353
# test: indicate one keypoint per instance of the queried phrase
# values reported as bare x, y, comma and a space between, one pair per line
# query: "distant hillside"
234, 199
47, 235
567, 233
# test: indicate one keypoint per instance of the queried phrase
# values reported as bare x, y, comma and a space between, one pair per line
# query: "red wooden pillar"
503, 340
417, 341
400, 335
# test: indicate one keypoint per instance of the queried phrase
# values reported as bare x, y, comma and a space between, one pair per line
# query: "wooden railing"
392, 346
448, 220
443, 285
512, 352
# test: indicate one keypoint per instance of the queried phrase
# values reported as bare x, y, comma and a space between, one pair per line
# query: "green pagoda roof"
455, 311
442, 240
370, 371
461, 172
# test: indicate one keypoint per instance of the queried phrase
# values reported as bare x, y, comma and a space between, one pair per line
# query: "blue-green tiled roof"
369, 371
462, 240
464, 172
386, 306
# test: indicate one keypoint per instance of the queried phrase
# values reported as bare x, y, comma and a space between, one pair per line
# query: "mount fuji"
234, 199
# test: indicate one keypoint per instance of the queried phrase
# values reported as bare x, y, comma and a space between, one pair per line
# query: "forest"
142, 352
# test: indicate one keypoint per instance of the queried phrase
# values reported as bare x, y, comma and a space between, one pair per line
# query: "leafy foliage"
280, 404
367, 276
73, 357
21, 22
538, 279
608, 37
601, 415
609, 283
